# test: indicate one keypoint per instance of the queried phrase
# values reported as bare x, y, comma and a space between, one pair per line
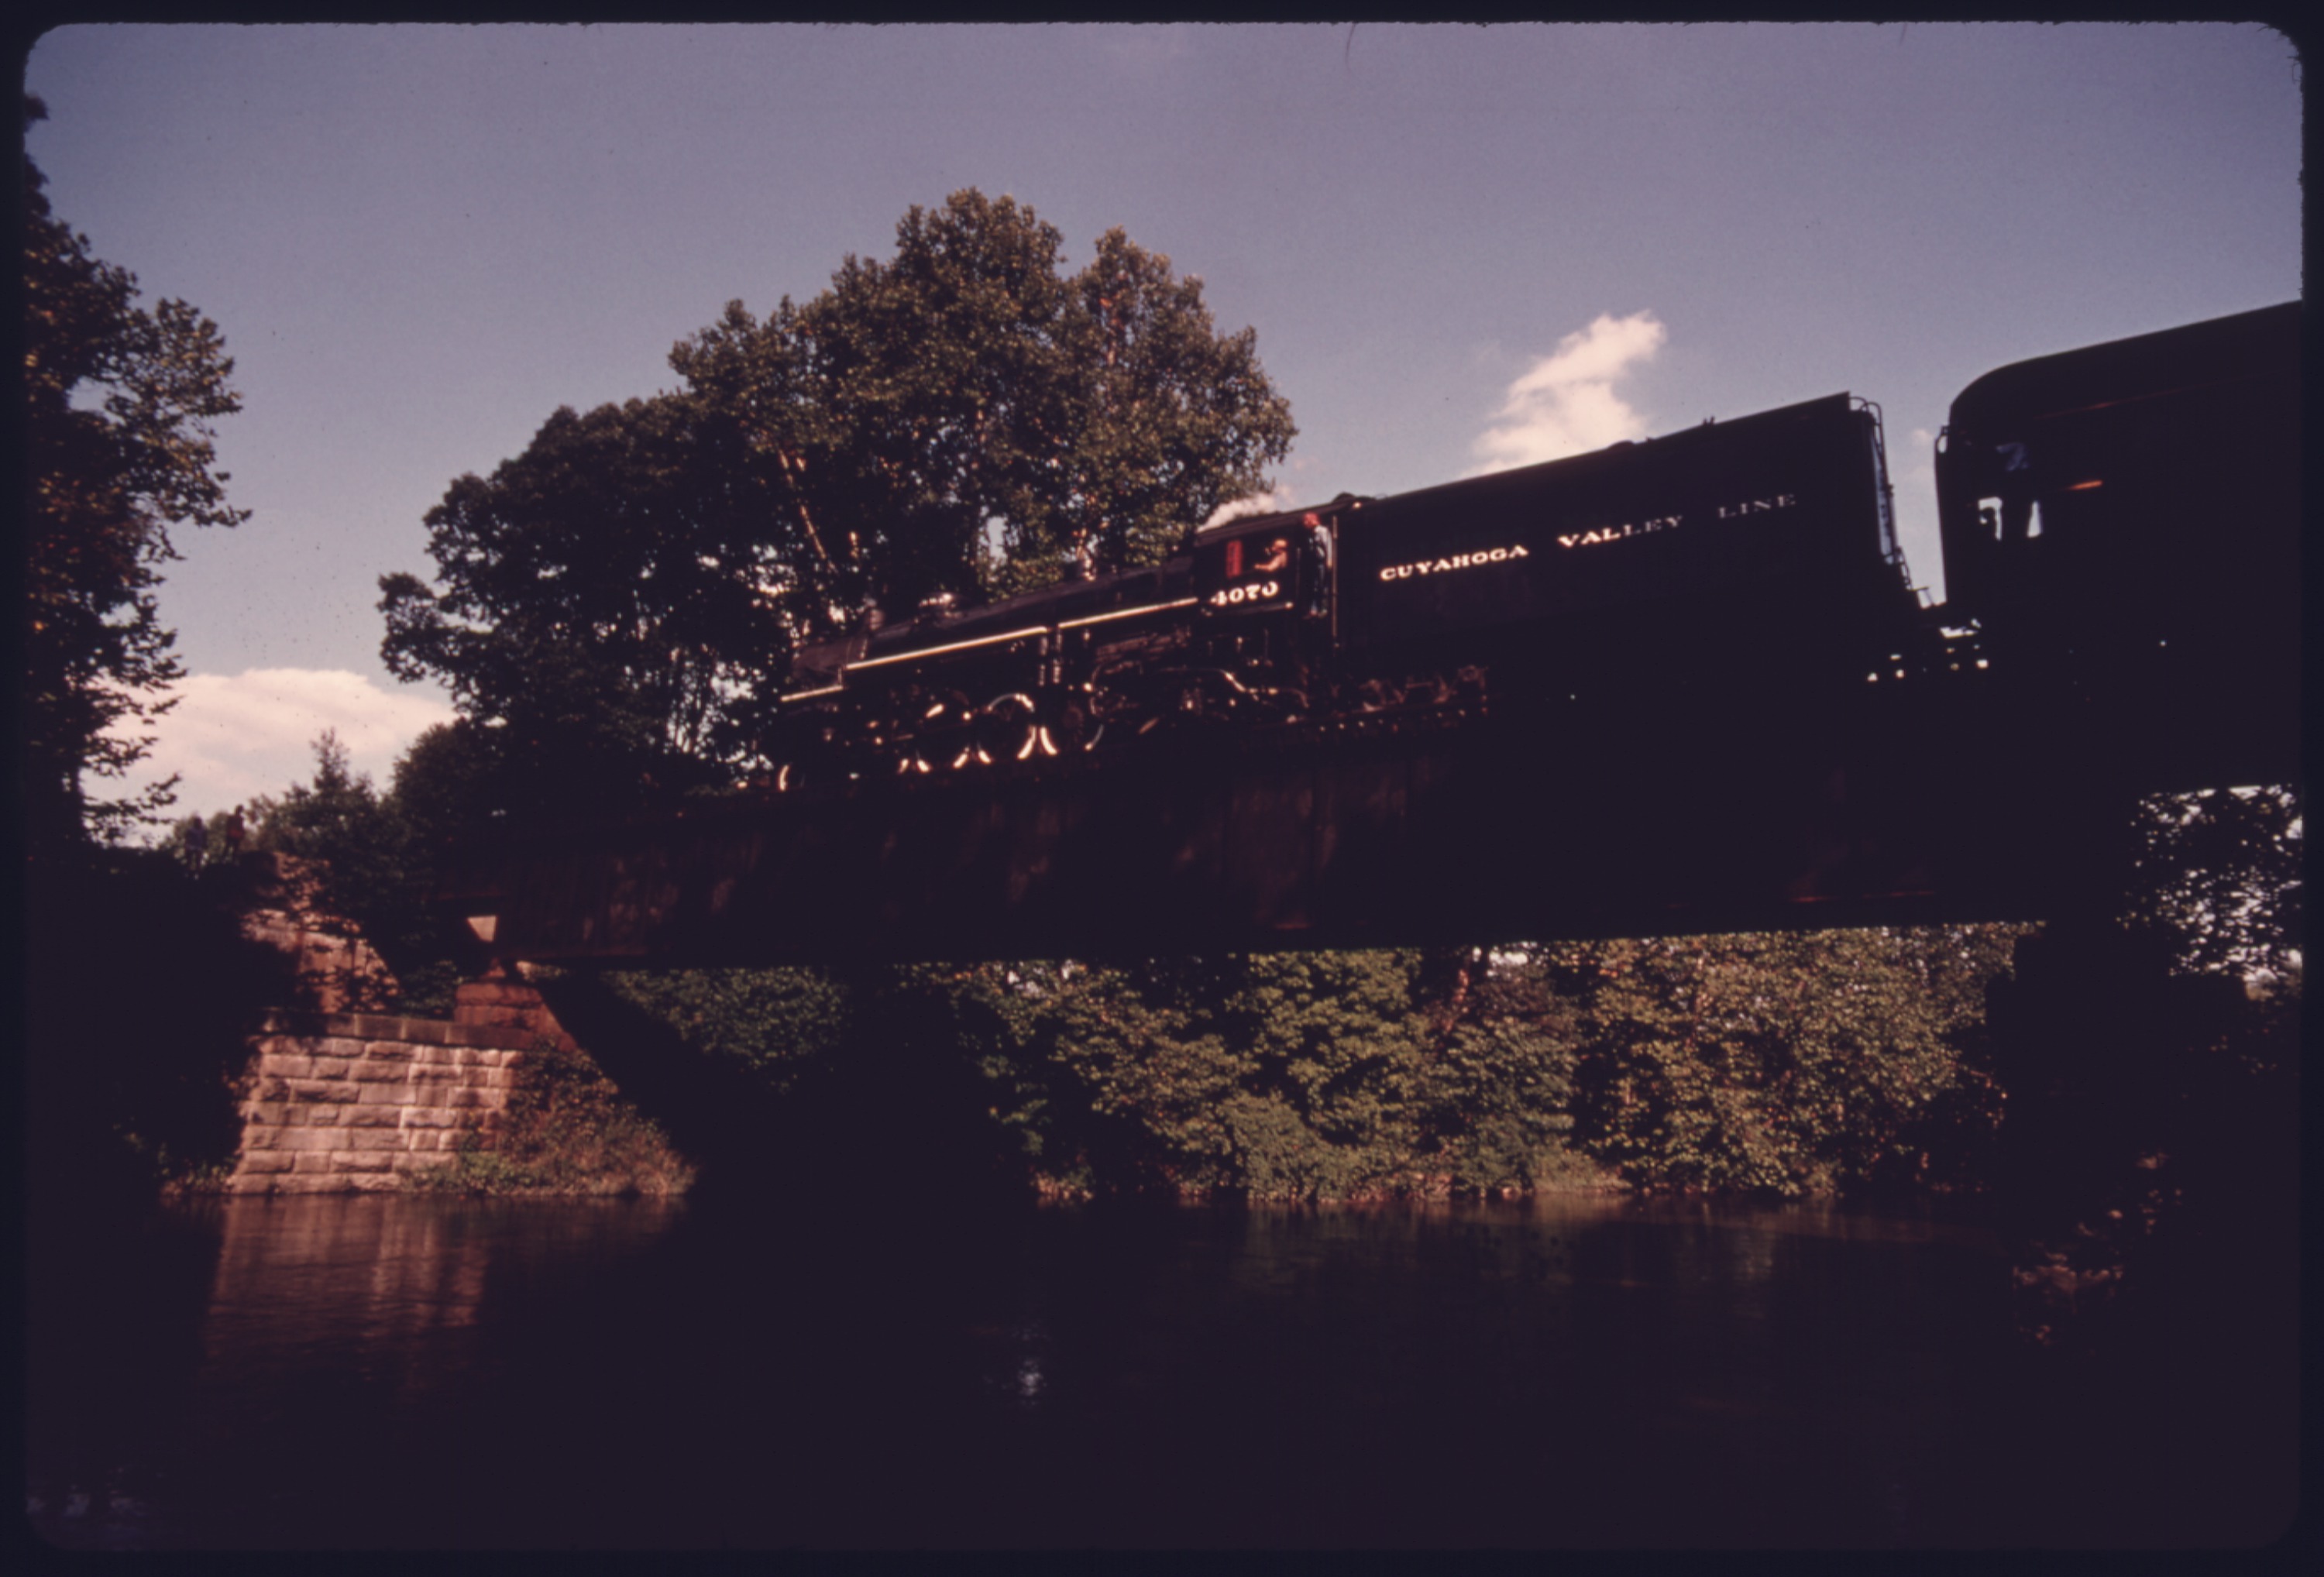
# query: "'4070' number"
1257, 592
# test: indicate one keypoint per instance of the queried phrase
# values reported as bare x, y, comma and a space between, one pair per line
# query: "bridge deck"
1918, 803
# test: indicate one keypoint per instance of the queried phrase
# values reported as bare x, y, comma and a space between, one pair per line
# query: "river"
353, 1372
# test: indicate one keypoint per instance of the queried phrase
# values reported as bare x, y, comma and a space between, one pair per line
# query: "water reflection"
336, 1331
383, 1289
372, 1371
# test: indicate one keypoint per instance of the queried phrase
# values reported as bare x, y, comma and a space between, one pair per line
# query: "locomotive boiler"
1754, 554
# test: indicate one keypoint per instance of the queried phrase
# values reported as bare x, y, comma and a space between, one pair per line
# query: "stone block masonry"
342, 1103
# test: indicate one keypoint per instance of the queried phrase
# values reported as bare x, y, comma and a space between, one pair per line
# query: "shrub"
566, 1130
1789, 1064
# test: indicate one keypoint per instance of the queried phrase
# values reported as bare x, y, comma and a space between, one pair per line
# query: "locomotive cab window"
2010, 519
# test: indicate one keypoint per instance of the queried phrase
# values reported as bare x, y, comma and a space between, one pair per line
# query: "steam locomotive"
2113, 519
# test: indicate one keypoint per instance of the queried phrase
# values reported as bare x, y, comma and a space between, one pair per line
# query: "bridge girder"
1912, 804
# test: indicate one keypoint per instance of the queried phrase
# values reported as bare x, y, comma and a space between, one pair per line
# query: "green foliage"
773, 1023
443, 785
374, 856
1137, 1075
337, 815
2151, 1047
615, 605
1501, 1101
132, 1085
372, 859
2219, 871
1782, 1064
963, 391
1786, 1065
567, 1130
602, 610
119, 403
1310, 1076
373, 869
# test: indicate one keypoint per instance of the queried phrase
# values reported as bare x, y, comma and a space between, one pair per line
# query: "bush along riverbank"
1778, 1064
566, 1131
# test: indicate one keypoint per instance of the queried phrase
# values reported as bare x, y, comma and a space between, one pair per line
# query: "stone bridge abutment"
334, 1100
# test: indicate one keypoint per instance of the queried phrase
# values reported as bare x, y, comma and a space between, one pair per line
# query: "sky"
1462, 247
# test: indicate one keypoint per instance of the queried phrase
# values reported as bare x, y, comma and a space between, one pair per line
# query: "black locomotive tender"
1738, 559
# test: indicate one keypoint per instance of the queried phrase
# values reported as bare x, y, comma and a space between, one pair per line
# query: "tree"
369, 870
619, 602
963, 397
129, 1074
442, 784
2219, 871
119, 408
2151, 1042
1323, 1075
603, 621
1299, 1076
1785, 1064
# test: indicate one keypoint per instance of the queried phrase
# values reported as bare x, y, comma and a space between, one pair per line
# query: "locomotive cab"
1265, 564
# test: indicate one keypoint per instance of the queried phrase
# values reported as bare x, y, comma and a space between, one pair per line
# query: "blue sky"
1459, 245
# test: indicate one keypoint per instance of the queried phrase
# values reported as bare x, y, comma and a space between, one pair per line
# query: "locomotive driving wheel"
938, 723
1011, 728
1074, 724
806, 755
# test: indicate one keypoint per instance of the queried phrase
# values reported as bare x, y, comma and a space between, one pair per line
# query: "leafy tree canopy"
603, 608
965, 394
1785, 1064
119, 407
374, 873
1299, 1076
962, 417
2219, 873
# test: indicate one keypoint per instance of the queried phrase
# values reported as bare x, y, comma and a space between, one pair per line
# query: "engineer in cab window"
1278, 554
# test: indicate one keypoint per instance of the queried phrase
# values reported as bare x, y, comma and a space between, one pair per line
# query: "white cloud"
232, 737
1565, 403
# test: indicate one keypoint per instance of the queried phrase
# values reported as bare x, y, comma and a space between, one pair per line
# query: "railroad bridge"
1947, 797
2122, 521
